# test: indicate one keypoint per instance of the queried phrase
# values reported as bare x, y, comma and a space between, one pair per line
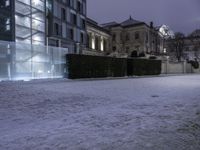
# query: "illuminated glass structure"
66, 24
23, 21
35, 36
30, 21
20, 61
59, 23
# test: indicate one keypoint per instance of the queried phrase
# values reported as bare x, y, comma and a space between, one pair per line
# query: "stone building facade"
98, 39
59, 23
133, 35
67, 24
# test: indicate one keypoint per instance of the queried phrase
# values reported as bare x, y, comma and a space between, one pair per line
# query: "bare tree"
177, 45
196, 46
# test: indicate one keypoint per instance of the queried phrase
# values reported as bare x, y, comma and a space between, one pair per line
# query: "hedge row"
143, 67
84, 66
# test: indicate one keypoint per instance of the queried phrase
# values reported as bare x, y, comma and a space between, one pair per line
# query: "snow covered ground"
159, 113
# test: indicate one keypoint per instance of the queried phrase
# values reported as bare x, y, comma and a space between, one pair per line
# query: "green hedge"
143, 67
84, 66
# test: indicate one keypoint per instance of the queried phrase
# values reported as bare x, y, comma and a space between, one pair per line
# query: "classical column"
101, 43
93, 41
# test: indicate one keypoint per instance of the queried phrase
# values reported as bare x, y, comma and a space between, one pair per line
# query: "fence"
24, 61
178, 68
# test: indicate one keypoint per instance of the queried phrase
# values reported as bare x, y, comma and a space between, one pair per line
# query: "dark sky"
180, 15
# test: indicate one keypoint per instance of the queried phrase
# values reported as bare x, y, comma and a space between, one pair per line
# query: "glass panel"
25, 61
30, 21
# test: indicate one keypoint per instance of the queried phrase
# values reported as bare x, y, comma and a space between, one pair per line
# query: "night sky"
180, 15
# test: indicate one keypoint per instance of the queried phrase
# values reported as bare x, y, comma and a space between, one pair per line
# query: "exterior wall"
124, 40
116, 41
7, 21
173, 67
67, 24
31, 61
49, 22
30, 21
98, 41
169, 67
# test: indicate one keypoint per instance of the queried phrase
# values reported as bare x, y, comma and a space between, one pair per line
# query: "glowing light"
166, 31
16, 17
37, 38
40, 71
93, 43
36, 2
165, 50
102, 45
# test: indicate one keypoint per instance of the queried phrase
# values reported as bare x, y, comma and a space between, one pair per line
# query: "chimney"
151, 24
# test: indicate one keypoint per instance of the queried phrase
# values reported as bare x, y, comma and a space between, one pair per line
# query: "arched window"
114, 37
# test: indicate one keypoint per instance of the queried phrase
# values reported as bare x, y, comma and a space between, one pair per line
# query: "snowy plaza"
153, 113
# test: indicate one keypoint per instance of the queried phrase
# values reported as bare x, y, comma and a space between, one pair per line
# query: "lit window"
137, 35
165, 50
8, 21
7, 3
8, 24
7, 27
36, 2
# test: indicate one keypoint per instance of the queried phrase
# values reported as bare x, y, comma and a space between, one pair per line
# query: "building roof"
130, 22
90, 22
110, 24
127, 23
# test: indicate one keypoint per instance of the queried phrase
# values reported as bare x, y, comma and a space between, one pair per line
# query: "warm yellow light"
102, 45
93, 43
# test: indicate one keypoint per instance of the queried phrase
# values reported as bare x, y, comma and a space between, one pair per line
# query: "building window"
71, 32
7, 27
57, 43
127, 37
68, 2
56, 28
137, 35
114, 48
79, 6
73, 19
7, 3
137, 48
82, 38
63, 15
147, 37
83, 23
64, 30
8, 24
114, 37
